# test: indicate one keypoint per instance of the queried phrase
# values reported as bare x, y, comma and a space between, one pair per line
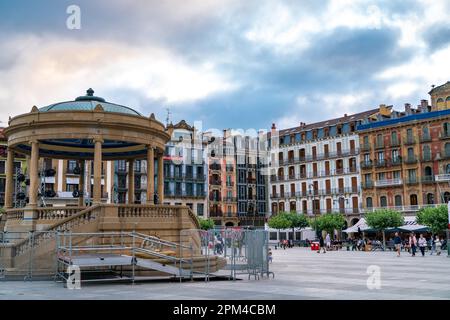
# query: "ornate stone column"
97, 196
9, 187
34, 174
161, 178
131, 181
150, 175
81, 183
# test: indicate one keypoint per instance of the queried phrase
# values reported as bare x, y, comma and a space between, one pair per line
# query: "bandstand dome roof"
88, 103
69, 130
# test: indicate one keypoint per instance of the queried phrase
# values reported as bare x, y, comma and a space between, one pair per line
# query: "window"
369, 202
411, 153
122, 165
447, 149
137, 166
396, 174
394, 155
394, 138
379, 140
366, 140
409, 134
71, 187
383, 201
2, 167
413, 199
398, 200
200, 209
446, 127
428, 171
425, 132
380, 156
430, 198
426, 153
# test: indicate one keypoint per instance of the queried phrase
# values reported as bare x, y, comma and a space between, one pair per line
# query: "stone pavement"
299, 274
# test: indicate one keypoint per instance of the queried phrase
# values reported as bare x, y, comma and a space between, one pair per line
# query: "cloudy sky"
228, 63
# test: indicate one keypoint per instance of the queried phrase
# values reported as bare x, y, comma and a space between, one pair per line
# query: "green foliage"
434, 218
297, 220
285, 220
206, 224
328, 222
384, 218
2, 211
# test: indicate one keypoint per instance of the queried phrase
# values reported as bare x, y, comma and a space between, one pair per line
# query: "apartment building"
315, 167
222, 201
185, 168
405, 156
251, 155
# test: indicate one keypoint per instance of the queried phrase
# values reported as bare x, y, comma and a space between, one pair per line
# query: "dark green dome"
88, 103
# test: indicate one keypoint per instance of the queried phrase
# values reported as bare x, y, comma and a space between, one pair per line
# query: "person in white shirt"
422, 244
328, 241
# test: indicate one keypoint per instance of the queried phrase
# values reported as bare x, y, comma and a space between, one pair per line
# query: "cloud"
231, 64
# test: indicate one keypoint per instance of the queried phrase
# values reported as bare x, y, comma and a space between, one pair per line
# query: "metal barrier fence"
245, 252
224, 252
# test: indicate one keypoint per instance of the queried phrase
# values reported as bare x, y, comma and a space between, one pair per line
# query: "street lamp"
311, 186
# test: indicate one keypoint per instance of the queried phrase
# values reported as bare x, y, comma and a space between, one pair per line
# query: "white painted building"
315, 167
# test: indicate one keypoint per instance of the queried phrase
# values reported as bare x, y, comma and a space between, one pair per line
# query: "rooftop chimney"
274, 127
345, 115
424, 103
407, 108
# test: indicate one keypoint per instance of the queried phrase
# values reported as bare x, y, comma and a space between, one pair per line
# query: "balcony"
215, 167
215, 198
409, 141
215, 214
412, 180
365, 147
402, 209
426, 157
229, 199
379, 145
442, 177
428, 179
425, 138
444, 135
388, 183
395, 162
410, 160
366, 164
395, 143
379, 163
215, 182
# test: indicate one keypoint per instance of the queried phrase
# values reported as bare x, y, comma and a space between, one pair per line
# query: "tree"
297, 220
279, 221
328, 222
434, 218
206, 224
382, 219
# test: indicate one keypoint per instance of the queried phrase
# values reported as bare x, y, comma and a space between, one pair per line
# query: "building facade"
222, 200
315, 168
185, 169
405, 157
251, 156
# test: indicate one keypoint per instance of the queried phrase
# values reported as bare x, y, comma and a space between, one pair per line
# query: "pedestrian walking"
397, 243
321, 244
422, 244
413, 244
328, 241
438, 245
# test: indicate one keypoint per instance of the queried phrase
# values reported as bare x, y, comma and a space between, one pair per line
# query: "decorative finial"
90, 92
152, 116
34, 109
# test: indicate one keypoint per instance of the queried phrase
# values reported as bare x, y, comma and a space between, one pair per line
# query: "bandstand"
87, 128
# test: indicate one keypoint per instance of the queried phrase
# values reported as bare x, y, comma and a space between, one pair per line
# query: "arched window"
446, 197
425, 131
410, 153
447, 169
413, 199
398, 200
440, 100
383, 201
430, 198
369, 202
428, 171
448, 99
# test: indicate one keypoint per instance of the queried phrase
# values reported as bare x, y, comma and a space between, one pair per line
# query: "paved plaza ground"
299, 274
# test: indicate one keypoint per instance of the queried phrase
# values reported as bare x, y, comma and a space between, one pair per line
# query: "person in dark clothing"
397, 243
321, 244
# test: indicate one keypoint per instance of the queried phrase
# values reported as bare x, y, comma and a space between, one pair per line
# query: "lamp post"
311, 186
